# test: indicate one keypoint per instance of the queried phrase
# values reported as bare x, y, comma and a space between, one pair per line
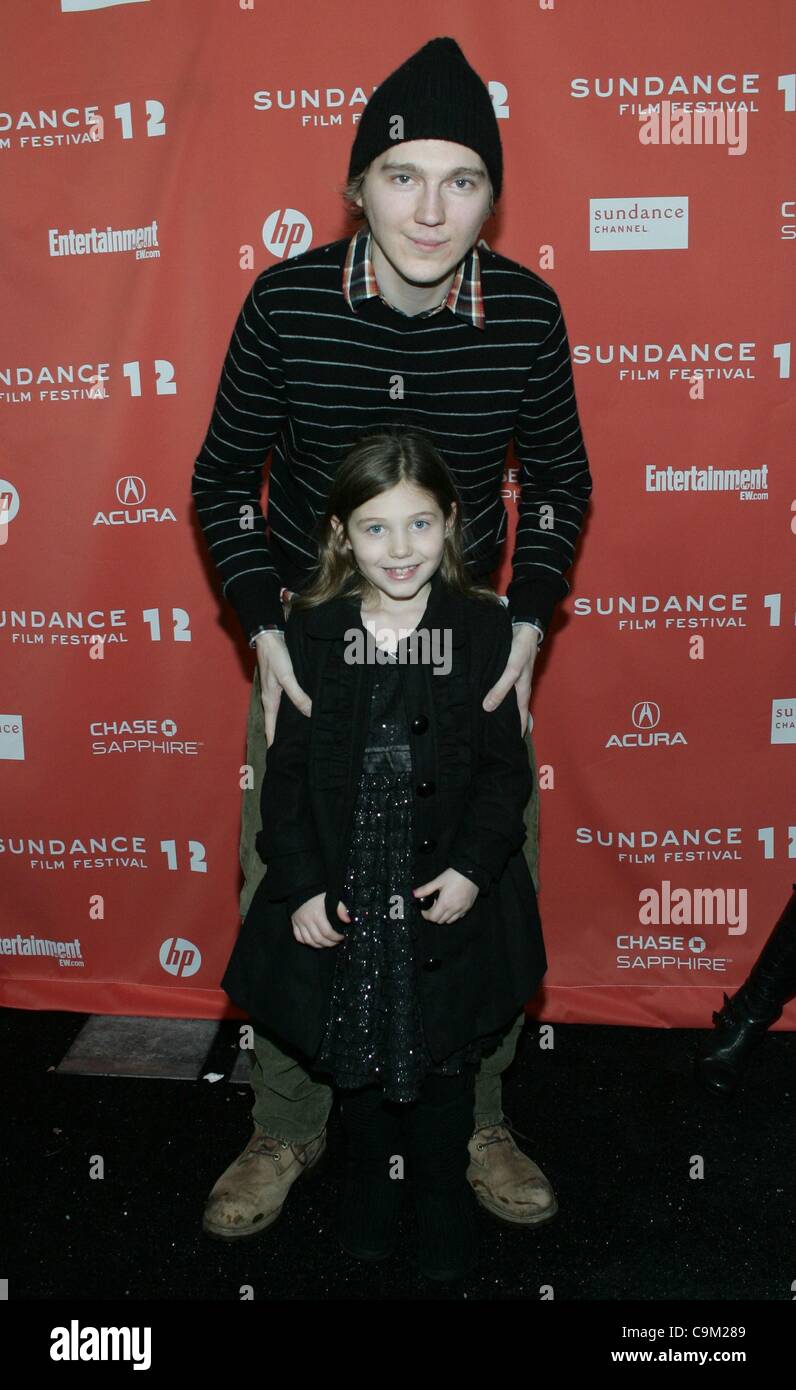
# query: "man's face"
426, 202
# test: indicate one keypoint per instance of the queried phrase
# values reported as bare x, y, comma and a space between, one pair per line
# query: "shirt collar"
465, 297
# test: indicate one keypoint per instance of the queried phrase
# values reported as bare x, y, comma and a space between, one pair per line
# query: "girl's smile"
405, 572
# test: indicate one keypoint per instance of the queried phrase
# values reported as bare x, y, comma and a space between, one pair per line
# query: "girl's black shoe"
743, 1021
372, 1200
445, 1207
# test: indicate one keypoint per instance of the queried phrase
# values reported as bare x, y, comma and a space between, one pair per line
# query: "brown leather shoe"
250, 1194
507, 1183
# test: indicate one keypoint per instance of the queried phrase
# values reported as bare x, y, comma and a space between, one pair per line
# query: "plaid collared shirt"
464, 297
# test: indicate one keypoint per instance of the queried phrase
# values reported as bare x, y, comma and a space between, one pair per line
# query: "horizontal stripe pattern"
306, 372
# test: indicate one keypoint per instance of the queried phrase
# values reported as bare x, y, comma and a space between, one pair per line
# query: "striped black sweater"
306, 374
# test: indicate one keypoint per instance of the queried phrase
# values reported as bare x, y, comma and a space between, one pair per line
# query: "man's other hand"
518, 672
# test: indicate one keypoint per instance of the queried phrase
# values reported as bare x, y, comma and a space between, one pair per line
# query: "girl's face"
397, 539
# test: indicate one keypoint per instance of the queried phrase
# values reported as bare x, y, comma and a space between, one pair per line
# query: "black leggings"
441, 1090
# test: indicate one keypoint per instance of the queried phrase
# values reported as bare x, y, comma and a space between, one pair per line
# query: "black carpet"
613, 1116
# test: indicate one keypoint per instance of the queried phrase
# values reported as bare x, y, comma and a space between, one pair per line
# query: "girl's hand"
456, 896
311, 926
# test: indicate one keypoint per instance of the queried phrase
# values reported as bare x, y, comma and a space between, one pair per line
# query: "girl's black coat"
473, 779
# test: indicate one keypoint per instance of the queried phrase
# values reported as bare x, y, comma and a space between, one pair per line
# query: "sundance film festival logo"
641, 612
727, 89
682, 844
646, 717
322, 106
678, 360
63, 381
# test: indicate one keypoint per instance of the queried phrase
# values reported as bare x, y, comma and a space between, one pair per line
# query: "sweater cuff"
531, 599
530, 622
255, 599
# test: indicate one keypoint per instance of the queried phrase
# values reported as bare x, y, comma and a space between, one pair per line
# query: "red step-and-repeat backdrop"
157, 155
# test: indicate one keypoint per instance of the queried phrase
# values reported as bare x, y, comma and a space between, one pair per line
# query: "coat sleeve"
288, 843
492, 826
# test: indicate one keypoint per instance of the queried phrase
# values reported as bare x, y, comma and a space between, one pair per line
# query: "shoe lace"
501, 1138
269, 1147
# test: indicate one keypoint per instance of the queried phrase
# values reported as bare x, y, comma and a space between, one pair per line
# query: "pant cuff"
488, 1121
283, 1138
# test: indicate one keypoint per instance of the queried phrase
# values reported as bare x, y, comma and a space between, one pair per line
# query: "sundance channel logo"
783, 721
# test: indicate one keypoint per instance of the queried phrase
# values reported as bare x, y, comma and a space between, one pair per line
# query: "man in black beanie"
412, 316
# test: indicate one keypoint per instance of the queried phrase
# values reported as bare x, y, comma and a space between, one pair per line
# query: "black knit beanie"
439, 97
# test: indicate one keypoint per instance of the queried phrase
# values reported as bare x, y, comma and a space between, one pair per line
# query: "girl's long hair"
377, 462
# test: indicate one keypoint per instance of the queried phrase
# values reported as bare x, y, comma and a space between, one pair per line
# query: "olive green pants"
290, 1102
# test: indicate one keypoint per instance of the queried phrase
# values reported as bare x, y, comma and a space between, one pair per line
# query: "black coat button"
426, 846
428, 901
426, 789
419, 725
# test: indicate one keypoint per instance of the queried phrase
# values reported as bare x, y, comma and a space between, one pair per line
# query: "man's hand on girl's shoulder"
276, 675
518, 672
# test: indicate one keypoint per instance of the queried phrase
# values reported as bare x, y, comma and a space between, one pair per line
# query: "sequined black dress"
374, 1033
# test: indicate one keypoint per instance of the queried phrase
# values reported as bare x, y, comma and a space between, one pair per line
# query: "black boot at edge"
743, 1021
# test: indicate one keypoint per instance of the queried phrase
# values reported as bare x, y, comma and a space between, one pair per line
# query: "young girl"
395, 936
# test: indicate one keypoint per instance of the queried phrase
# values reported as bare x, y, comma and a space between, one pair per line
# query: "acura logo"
130, 490
646, 714
646, 717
